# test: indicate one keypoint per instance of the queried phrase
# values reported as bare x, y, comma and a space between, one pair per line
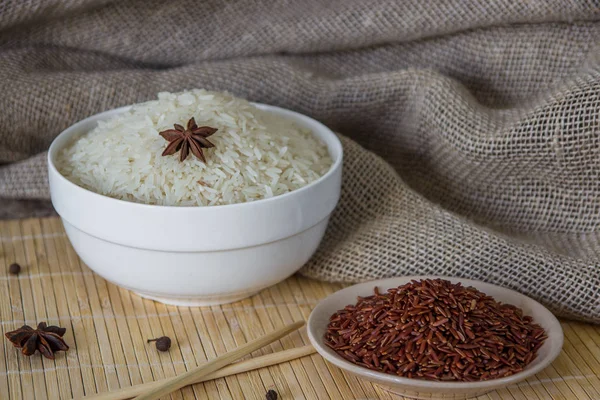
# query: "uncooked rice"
434, 329
257, 154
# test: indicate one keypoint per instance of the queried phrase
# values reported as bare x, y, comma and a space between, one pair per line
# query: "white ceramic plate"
426, 389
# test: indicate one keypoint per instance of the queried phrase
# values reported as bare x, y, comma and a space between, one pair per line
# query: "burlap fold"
471, 128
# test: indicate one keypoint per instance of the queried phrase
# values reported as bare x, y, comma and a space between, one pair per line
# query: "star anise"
193, 138
46, 339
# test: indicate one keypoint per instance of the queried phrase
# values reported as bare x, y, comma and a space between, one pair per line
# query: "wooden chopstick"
243, 366
195, 374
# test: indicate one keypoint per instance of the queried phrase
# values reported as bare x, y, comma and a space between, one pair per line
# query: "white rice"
256, 155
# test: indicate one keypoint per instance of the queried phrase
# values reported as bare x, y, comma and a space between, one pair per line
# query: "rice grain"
257, 154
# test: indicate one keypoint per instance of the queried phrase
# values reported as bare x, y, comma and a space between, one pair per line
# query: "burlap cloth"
472, 127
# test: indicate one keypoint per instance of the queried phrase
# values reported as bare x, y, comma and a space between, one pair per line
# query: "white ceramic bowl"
196, 255
426, 389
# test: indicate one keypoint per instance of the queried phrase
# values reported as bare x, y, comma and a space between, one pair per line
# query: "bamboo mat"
107, 328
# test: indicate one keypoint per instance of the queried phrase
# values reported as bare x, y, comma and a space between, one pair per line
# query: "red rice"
436, 330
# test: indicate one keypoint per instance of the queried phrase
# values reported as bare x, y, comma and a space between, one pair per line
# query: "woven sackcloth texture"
471, 127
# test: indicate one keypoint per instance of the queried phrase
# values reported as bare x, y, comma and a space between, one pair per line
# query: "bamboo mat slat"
107, 328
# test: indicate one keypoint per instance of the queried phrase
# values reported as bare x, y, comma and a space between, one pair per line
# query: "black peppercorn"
163, 343
14, 269
271, 395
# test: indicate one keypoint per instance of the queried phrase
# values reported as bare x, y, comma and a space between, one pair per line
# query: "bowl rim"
293, 115
429, 385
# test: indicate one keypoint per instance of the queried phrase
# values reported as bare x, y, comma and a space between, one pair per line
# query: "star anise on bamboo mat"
193, 139
45, 339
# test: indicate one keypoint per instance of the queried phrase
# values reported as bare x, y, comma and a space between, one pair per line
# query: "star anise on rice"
45, 339
193, 139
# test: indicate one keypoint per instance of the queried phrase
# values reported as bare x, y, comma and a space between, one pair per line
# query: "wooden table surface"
107, 328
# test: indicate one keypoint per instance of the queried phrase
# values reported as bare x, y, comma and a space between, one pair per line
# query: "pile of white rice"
256, 155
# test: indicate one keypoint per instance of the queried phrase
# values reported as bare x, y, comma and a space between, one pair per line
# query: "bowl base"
201, 301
